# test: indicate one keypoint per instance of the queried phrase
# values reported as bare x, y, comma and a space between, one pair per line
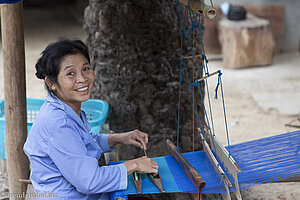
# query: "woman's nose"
80, 77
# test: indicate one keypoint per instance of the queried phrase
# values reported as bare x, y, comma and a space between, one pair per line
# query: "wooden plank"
293, 179
217, 167
215, 163
229, 163
15, 96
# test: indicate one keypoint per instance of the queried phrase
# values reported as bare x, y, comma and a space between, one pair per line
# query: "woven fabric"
9, 1
261, 161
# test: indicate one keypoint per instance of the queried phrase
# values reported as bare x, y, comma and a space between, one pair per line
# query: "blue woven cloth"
9, 1
261, 161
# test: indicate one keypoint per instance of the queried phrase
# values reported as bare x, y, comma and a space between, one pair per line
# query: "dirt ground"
259, 101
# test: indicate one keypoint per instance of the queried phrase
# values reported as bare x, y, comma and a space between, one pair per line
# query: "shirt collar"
55, 101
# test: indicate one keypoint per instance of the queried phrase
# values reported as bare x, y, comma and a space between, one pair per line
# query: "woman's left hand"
136, 138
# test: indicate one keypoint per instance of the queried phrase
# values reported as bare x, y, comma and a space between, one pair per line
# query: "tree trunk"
135, 49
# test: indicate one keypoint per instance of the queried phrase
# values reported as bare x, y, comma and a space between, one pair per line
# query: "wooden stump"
276, 16
246, 43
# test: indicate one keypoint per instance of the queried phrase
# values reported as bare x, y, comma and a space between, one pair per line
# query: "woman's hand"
141, 165
136, 138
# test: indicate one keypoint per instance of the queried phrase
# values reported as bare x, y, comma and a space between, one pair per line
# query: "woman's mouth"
83, 89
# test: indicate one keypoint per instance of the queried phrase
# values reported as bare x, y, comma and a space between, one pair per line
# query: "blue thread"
203, 58
182, 60
195, 25
193, 53
193, 85
219, 80
224, 111
179, 148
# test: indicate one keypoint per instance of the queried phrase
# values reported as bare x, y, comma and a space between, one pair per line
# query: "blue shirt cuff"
103, 142
123, 181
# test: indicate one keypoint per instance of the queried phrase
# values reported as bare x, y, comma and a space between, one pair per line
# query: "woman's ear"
49, 83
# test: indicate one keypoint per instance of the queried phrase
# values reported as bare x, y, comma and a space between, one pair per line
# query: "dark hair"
49, 62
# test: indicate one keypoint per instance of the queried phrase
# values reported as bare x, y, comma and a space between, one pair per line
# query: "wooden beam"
194, 196
190, 171
200, 8
293, 179
28, 181
217, 167
229, 163
15, 95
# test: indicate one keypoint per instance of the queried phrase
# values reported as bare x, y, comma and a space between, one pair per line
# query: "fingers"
137, 143
147, 165
136, 138
141, 138
155, 170
155, 167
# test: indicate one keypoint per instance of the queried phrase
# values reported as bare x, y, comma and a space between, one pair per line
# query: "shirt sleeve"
67, 150
102, 140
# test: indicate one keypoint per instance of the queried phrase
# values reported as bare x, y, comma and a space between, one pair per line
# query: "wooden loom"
215, 151
223, 155
218, 155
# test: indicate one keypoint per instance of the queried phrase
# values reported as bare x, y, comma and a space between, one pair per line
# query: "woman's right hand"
141, 165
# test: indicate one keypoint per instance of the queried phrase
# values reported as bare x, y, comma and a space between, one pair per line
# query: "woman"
62, 152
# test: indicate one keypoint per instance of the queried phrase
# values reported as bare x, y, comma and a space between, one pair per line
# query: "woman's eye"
86, 68
70, 73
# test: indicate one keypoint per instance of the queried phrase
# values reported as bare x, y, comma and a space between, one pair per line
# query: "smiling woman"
74, 81
63, 153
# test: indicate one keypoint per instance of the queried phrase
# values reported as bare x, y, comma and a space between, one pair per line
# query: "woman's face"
75, 80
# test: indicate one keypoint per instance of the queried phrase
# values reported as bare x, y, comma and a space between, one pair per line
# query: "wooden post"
15, 96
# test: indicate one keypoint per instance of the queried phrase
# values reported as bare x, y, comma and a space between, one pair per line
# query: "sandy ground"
259, 101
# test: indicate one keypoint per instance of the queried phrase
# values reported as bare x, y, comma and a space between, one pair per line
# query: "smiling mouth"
82, 89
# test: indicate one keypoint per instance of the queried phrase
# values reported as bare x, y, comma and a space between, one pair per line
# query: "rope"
189, 23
